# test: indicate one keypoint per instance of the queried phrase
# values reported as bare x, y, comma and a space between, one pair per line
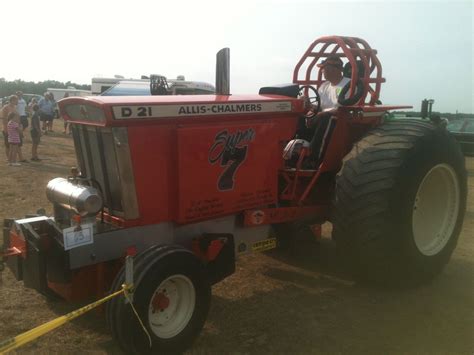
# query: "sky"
425, 47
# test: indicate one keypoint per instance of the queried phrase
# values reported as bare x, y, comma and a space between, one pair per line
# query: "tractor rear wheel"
399, 202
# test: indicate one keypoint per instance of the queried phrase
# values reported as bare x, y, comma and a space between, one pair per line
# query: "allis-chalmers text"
202, 109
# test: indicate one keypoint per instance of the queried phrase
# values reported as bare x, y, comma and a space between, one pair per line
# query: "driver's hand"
306, 103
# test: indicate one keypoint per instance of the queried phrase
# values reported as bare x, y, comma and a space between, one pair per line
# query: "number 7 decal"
235, 157
231, 150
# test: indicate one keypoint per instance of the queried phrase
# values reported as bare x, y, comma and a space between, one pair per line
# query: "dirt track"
294, 303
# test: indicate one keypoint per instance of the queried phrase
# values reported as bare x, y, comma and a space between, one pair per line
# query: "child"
13, 129
35, 133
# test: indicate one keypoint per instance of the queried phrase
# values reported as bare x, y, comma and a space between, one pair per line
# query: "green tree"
10, 87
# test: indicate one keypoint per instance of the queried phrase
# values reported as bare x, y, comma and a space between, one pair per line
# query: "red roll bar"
352, 48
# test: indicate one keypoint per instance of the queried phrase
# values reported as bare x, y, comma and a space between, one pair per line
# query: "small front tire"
172, 297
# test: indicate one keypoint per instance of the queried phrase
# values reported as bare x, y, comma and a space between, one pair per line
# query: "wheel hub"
436, 209
160, 302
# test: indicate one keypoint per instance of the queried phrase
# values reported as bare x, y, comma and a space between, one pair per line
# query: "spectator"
14, 130
46, 111
6, 110
32, 102
67, 125
55, 112
35, 133
21, 108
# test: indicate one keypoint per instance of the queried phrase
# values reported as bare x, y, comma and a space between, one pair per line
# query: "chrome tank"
83, 200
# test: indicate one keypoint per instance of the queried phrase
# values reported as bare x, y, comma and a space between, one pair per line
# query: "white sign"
160, 111
77, 236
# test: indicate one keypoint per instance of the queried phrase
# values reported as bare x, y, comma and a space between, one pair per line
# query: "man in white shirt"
21, 108
329, 92
320, 121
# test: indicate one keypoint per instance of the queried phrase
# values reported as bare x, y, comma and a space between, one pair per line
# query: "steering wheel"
314, 99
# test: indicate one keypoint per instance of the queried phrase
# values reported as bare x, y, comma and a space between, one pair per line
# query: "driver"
317, 123
329, 92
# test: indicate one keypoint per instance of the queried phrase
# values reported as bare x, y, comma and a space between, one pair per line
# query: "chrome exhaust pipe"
223, 72
84, 200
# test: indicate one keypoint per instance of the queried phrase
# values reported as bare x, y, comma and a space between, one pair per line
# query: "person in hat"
329, 91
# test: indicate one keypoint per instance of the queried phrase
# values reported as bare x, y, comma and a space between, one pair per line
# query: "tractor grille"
103, 156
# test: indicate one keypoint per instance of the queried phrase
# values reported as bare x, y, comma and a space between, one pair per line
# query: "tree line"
29, 87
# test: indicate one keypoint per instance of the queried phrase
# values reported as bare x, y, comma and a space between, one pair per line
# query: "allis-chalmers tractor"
188, 184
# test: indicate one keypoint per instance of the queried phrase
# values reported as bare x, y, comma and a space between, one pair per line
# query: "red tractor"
190, 183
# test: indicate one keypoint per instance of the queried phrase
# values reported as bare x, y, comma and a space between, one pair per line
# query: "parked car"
463, 130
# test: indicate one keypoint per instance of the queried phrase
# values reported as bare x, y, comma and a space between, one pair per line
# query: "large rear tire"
399, 203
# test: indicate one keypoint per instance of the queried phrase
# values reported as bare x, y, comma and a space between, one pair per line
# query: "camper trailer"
99, 85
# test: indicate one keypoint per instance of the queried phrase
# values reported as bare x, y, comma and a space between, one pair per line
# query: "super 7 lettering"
231, 149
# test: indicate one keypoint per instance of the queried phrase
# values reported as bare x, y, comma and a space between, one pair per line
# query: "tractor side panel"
226, 168
186, 172
153, 155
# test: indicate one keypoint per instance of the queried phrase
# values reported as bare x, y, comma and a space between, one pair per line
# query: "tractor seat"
347, 70
290, 90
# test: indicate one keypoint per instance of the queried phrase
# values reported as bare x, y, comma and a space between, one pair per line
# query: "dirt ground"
276, 303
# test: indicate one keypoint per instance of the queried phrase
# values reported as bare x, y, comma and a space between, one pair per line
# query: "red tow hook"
13, 251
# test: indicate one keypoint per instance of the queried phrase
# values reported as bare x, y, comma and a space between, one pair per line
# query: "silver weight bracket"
129, 278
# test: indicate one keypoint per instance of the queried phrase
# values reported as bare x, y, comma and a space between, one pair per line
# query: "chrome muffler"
84, 200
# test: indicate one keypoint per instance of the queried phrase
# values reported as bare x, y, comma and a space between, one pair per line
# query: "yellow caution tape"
139, 319
13, 343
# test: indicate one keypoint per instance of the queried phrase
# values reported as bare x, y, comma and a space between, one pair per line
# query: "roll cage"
361, 58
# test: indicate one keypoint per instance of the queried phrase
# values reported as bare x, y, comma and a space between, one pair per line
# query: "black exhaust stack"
223, 72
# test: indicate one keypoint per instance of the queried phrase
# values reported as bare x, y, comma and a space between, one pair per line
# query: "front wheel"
172, 298
399, 202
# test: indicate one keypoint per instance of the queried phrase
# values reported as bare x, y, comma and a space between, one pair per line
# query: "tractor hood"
118, 110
